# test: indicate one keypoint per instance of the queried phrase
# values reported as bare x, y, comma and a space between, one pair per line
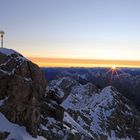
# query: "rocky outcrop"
3, 135
52, 124
23, 101
22, 86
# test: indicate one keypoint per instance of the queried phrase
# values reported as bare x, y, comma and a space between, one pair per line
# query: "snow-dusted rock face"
26, 113
104, 115
22, 85
96, 114
53, 126
61, 87
127, 81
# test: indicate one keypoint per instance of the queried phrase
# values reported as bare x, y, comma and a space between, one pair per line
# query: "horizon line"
73, 62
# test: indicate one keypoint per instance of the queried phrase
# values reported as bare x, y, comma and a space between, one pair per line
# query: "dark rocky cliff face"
22, 86
23, 100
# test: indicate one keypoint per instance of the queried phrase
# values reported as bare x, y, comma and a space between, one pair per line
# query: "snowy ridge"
78, 99
93, 105
60, 86
94, 110
68, 118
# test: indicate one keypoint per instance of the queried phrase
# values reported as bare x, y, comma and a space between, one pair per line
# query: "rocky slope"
22, 86
96, 114
26, 113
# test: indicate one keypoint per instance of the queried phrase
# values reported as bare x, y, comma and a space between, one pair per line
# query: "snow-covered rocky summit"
10, 60
22, 85
96, 114
7, 51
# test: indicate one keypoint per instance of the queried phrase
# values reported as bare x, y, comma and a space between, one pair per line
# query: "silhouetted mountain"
22, 86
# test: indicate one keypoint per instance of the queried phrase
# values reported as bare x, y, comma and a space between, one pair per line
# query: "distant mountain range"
126, 80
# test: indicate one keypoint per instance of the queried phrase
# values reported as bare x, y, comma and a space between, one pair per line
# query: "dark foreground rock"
23, 101
22, 86
4, 135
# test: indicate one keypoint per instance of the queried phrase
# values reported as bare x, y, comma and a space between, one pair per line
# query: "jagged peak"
109, 89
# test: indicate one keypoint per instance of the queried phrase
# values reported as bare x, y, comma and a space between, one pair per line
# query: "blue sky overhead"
83, 29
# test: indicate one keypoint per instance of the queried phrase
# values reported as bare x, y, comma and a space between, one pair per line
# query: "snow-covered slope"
22, 85
104, 115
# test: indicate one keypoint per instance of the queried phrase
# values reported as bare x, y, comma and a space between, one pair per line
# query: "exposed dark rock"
50, 108
72, 136
4, 135
22, 86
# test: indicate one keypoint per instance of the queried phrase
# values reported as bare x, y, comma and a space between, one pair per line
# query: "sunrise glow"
62, 62
114, 67
75, 33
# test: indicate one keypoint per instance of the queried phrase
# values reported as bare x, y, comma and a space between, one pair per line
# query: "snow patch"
69, 119
16, 131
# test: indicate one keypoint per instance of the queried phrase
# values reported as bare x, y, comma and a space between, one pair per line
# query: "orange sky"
61, 62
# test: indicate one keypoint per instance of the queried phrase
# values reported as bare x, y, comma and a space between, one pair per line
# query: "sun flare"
114, 67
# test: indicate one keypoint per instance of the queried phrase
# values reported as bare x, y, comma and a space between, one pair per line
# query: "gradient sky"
75, 29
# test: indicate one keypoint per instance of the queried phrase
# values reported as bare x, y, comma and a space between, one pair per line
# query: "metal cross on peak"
2, 34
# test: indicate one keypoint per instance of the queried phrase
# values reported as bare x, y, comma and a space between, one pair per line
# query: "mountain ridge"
63, 109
